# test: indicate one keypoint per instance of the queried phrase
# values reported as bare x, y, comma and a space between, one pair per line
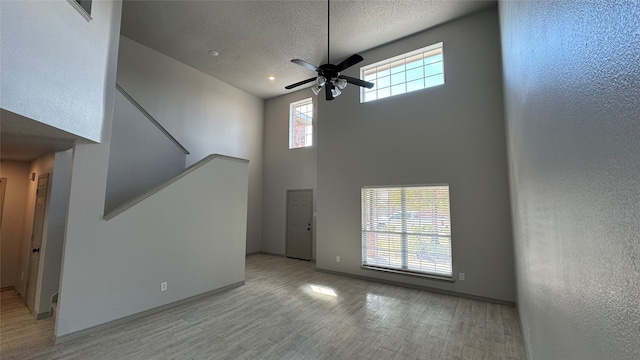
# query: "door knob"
35, 250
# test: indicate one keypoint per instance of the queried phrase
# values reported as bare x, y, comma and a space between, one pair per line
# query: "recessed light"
272, 77
213, 53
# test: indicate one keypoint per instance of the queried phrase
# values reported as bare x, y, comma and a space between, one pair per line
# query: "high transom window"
301, 124
407, 229
404, 73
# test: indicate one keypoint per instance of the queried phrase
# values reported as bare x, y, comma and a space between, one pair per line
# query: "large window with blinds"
407, 229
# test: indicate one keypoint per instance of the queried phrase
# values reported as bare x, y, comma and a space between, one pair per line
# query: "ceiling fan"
329, 75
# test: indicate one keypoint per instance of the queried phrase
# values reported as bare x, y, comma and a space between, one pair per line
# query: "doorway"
299, 224
36, 240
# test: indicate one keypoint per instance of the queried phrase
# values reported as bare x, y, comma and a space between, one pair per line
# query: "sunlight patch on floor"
323, 290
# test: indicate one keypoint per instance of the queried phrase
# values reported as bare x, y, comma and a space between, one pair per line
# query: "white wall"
205, 114
191, 234
112, 269
52, 243
54, 63
284, 169
451, 134
17, 173
572, 86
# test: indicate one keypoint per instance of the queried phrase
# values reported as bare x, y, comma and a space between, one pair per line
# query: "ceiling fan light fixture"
340, 83
329, 74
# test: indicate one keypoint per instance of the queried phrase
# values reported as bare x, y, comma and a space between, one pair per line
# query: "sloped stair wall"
188, 232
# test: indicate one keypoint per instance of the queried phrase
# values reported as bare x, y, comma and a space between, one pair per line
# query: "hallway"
18, 329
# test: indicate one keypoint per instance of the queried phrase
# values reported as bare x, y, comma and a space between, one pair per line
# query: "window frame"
401, 58
370, 231
308, 133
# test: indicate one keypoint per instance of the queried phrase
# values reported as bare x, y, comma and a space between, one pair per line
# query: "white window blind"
418, 69
301, 124
407, 229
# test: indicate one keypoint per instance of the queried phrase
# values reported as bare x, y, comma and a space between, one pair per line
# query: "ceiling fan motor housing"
328, 71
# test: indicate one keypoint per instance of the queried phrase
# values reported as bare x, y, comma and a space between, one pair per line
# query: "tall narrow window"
301, 124
415, 70
407, 229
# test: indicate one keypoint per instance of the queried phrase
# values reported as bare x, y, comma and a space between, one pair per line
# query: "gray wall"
572, 85
17, 173
450, 134
54, 63
284, 168
17, 224
114, 268
204, 114
140, 157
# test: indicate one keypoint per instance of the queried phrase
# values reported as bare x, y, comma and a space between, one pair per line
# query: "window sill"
408, 273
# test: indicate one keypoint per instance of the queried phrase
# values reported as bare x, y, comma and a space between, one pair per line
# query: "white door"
299, 221
36, 239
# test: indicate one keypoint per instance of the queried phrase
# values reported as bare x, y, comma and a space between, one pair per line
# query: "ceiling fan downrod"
328, 31
329, 75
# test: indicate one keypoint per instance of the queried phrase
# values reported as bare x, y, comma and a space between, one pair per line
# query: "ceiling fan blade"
348, 62
289, 87
305, 64
327, 89
354, 81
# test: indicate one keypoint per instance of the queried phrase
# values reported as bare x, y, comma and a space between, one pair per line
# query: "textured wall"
284, 168
572, 86
451, 134
54, 63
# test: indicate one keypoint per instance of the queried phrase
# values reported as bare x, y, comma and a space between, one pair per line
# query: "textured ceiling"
257, 39
23, 139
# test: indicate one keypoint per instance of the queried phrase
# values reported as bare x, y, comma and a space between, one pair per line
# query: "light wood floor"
277, 315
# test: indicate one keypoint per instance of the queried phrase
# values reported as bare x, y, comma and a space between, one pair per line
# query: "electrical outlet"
461, 276
528, 334
163, 286
337, 258
22, 276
